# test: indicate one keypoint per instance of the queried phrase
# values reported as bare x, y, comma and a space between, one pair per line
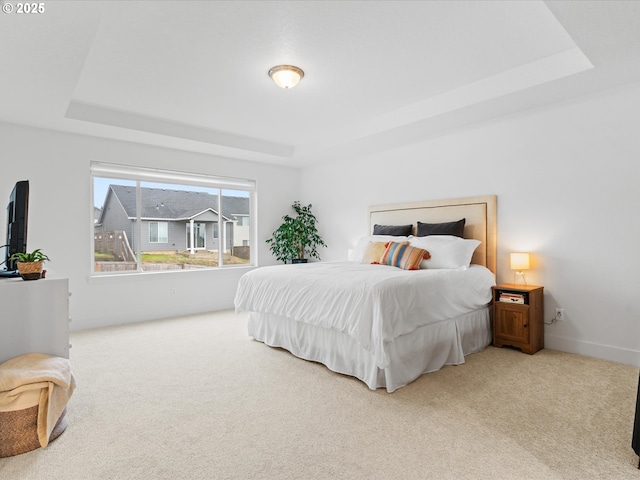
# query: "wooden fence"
114, 243
241, 252
146, 267
115, 266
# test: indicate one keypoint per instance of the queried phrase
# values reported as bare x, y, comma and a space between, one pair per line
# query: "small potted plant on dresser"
297, 237
30, 264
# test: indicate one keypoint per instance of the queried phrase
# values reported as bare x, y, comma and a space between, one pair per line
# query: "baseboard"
596, 350
138, 317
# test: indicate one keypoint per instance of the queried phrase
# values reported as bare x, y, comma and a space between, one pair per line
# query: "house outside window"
158, 232
158, 220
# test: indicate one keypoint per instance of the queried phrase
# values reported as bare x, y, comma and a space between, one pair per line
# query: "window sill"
157, 275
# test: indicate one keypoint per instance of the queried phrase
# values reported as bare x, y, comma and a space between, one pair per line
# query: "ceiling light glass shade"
519, 261
286, 76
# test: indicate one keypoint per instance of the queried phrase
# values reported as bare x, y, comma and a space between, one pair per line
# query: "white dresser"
34, 317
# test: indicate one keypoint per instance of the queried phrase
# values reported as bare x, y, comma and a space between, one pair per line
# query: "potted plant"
297, 237
29, 264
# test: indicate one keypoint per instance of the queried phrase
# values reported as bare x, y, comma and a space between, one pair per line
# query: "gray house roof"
158, 203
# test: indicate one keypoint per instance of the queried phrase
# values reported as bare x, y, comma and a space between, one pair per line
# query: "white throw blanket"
50, 376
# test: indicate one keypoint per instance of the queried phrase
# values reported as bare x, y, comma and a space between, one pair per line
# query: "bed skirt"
425, 350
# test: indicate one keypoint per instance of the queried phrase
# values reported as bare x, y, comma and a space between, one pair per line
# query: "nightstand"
518, 317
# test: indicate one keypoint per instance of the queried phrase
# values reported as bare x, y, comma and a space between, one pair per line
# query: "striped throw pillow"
404, 256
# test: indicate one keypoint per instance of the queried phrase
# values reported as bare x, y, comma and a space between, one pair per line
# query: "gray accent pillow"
395, 230
446, 228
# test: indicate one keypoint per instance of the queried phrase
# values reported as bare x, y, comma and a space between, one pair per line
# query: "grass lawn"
170, 260
203, 258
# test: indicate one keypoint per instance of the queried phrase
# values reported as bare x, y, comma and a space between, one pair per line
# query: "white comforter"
371, 303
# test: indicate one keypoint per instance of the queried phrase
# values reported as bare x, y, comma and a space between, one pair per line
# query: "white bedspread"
371, 303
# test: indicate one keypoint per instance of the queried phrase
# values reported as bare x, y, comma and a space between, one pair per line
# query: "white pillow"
357, 254
447, 251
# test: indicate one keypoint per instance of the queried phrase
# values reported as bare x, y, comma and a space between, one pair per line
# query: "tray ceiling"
193, 75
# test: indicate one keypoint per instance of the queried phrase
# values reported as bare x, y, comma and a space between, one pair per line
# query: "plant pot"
30, 270
299, 260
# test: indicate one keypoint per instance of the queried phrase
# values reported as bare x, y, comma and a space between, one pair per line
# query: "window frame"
140, 175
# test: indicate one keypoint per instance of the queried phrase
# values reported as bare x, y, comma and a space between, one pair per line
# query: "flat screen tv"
17, 216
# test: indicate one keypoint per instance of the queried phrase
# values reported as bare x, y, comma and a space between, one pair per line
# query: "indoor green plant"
297, 237
30, 264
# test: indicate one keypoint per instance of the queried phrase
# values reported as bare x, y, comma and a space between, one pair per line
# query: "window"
158, 232
158, 220
195, 236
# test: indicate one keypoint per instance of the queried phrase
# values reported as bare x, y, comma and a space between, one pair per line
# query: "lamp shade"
286, 76
519, 261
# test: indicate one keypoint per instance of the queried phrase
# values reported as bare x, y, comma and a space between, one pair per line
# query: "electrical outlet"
560, 314
173, 291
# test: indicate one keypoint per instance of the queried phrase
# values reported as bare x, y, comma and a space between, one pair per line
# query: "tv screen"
17, 215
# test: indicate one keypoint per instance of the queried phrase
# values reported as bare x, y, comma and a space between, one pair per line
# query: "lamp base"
519, 274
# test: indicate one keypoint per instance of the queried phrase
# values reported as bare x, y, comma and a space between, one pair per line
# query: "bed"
379, 323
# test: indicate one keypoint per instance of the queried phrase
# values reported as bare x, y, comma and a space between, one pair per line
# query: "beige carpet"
195, 398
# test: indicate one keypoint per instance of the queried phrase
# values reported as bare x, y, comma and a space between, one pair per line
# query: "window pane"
200, 235
153, 232
236, 227
114, 210
163, 232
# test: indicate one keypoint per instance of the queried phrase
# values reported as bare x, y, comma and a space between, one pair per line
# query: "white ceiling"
192, 75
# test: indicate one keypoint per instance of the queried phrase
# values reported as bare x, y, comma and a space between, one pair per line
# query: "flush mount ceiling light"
286, 76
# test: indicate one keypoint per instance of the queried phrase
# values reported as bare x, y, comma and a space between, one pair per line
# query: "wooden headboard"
479, 212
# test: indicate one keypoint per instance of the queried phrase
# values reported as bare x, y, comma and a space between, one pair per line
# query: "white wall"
567, 181
566, 178
61, 216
